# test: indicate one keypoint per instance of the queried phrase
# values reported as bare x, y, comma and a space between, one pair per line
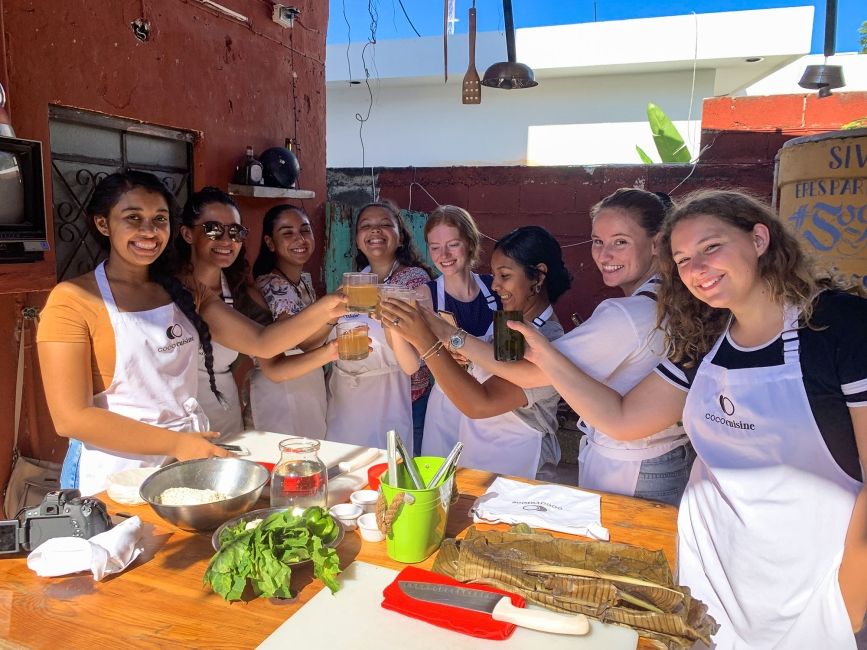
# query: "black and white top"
833, 357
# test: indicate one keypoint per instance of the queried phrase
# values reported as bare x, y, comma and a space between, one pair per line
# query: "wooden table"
160, 602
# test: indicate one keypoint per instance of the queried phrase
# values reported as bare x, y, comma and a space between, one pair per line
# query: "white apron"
225, 419
155, 378
613, 465
764, 517
503, 444
366, 398
295, 407
442, 416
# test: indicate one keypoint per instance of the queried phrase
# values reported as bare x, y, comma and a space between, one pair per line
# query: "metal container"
242, 480
821, 195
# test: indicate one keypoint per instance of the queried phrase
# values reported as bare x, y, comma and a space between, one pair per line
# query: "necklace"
300, 287
391, 272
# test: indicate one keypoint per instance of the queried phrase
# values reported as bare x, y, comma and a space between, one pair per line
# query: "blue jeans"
69, 470
419, 408
664, 478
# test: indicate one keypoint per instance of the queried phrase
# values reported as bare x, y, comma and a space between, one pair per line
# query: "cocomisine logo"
728, 408
174, 333
537, 505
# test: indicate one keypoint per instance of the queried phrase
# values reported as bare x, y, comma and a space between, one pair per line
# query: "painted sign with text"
822, 197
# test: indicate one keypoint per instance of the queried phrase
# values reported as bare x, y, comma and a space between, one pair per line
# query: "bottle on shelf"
249, 172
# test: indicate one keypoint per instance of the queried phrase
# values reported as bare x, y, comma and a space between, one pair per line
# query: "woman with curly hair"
767, 367
368, 397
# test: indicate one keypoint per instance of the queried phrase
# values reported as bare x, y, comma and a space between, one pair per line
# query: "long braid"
184, 300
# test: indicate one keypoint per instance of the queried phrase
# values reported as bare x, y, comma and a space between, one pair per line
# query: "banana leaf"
647, 160
614, 583
666, 137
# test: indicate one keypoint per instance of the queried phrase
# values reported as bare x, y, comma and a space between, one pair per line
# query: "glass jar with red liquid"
300, 478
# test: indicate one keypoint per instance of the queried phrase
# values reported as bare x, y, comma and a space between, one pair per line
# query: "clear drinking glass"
300, 478
352, 341
360, 290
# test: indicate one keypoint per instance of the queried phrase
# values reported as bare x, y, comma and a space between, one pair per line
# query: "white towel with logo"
109, 552
553, 507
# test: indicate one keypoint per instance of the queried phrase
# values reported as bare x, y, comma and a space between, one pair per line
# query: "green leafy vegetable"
261, 556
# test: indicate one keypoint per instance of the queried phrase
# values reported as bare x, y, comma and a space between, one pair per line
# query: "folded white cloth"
554, 507
103, 554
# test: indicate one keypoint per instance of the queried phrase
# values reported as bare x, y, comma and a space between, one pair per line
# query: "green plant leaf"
668, 141
647, 160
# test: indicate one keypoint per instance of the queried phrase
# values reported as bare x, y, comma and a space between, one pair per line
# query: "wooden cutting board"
353, 618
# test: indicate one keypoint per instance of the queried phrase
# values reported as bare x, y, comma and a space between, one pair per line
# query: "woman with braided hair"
118, 347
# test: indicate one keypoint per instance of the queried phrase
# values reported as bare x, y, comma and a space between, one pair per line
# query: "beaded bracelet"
434, 349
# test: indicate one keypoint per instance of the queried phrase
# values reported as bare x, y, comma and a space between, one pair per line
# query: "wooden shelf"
261, 191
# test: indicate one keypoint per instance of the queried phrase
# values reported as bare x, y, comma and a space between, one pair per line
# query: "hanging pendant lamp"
509, 74
825, 77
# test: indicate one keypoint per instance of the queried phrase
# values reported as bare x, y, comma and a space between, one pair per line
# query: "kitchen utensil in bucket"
414, 521
471, 91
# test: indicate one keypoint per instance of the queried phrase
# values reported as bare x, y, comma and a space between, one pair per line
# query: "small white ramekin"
366, 499
369, 530
347, 513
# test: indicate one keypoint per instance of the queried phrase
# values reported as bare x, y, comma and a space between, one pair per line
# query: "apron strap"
226, 291
105, 288
542, 318
489, 297
647, 294
791, 342
441, 293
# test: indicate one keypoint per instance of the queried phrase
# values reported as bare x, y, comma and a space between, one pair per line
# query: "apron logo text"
176, 344
536, 505
734, 424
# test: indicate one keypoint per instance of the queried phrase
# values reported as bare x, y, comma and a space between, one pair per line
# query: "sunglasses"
214, 230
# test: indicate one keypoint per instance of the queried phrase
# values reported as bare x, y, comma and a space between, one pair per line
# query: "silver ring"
396, 321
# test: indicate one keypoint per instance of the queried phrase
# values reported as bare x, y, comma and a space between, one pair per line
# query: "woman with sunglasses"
119, 346
211, 250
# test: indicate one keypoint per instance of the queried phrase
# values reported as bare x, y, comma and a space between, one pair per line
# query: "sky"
427, 16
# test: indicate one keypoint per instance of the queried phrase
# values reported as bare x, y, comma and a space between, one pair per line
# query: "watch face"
456, 340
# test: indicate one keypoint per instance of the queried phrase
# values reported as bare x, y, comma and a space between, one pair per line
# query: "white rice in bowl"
183, 496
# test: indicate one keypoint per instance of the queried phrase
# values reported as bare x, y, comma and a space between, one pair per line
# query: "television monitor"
22, 201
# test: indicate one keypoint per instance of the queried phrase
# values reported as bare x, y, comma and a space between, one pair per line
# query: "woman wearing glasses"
119, 346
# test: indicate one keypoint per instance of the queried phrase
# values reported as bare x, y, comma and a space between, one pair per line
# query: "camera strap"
27, 314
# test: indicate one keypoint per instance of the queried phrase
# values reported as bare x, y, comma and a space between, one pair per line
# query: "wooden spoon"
471, 92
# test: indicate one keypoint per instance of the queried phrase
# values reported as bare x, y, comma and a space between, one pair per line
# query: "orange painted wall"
229, 82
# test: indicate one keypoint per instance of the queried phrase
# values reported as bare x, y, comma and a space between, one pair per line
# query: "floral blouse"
282, 296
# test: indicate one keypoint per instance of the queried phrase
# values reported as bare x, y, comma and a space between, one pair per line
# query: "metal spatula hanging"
471, 91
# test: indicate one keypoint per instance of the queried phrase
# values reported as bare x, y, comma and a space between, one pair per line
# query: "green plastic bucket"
419, 524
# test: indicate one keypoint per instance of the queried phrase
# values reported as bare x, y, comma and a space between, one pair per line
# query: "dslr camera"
62, 513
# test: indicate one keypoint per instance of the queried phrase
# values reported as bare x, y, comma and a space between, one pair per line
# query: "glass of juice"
360, 289
396, 292
508, 343
352, 342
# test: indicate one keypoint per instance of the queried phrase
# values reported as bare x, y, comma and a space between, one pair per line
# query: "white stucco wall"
572, 120
595, 81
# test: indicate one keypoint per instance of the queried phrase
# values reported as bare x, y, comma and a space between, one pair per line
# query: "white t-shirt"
619, 345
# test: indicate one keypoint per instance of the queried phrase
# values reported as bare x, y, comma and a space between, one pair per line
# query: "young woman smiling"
211, 252
618, 345
454, 244
767, 368
504, 428
118, 347
366, 398
293, 404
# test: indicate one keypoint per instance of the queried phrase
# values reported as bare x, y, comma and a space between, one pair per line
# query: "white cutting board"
354, 618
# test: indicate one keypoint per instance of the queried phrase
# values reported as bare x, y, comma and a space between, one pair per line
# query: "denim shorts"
664, 478
69, 469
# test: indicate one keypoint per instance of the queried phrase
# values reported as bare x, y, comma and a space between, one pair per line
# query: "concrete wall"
230, 82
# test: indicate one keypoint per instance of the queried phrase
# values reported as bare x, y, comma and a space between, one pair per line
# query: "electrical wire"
348, 40
406, 15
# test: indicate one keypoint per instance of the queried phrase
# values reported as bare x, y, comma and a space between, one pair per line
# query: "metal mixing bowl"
241, 480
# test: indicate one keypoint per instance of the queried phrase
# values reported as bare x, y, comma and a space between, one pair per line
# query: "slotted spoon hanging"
471, 89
